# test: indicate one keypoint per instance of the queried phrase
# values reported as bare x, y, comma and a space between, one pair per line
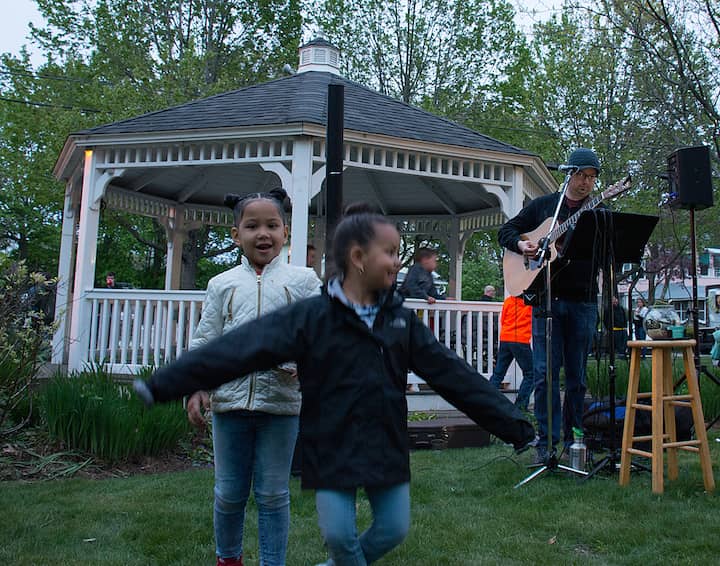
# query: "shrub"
90, 411
25, 328
598, 383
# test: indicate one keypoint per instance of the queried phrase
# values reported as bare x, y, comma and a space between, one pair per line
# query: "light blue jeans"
336, 517
253, 448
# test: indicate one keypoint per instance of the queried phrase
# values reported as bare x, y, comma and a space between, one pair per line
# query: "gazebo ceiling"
396, 193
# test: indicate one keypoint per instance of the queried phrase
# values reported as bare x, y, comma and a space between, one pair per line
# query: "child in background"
354, 346
515, 335
419, 282
254, 418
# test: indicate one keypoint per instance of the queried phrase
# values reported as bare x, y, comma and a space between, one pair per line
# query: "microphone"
572, 168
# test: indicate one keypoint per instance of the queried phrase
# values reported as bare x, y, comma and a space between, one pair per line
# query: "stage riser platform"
451, 432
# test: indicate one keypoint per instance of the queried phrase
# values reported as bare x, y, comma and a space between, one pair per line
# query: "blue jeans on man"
253, 448
573, 327
522, 354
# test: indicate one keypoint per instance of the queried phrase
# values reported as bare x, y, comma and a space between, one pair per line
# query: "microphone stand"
543, 256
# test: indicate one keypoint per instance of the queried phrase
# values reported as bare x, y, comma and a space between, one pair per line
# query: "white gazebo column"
176, 236
516, 194
63, 297
300, 192
93, 188
456, 249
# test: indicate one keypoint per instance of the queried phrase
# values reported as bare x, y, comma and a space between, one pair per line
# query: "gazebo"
434, 177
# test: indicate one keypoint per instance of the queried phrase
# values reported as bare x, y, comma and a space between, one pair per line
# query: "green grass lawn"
465, 511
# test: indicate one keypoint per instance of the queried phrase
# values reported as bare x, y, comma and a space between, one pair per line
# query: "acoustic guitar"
520, 271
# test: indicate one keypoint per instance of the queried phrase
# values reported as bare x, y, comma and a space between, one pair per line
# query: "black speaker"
690, 179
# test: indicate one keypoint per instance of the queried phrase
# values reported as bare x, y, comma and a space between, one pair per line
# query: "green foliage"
25, 327
598, 382
421, 416
481, 265
106, 61
92, 412
441, 54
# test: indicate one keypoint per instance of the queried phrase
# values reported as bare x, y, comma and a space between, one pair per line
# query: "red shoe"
230, 561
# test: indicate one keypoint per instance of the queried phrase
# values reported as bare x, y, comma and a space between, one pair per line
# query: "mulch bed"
31, 456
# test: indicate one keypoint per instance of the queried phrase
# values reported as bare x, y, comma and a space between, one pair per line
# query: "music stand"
614, 238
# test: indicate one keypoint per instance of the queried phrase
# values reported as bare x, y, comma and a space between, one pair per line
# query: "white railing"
131, 329
470, 328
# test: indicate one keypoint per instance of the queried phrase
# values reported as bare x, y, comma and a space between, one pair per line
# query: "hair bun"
278, 193
231, 200
360, 208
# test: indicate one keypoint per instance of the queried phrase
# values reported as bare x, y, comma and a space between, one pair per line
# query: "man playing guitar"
574, 303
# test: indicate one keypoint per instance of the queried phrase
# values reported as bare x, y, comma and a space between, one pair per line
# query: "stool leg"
629, 428
658, 368
698, 419
669, 414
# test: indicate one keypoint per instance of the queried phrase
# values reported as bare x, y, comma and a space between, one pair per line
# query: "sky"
16, 14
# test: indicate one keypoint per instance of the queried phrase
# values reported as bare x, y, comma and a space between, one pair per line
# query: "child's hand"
430, 300
197, 406
290, 368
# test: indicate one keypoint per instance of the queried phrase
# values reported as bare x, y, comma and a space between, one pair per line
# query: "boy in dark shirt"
419, 283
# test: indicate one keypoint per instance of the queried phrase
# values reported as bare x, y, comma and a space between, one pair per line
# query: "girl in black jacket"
354, 346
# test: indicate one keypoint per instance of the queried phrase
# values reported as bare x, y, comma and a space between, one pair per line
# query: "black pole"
694, 308
333, 165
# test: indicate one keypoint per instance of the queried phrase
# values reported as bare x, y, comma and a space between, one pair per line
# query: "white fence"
131, 329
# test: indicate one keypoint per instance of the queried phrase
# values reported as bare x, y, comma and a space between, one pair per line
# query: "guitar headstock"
618, 188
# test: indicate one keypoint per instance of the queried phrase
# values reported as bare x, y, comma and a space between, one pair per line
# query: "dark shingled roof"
301, 98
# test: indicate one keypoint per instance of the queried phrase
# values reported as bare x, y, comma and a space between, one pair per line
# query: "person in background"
254, 417
419, 282
515, 335
311, 256
488, 293
639, 315
354, 346
619, 328
110, 280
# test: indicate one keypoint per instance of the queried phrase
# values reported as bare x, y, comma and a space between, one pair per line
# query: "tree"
111, 59
481, 265
673, 49
441, 54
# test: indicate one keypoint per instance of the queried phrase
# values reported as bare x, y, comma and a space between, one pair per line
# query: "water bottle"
578, 451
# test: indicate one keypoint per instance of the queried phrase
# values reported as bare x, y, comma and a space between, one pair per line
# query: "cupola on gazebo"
434, 177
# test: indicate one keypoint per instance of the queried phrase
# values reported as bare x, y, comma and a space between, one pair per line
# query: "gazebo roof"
301, 98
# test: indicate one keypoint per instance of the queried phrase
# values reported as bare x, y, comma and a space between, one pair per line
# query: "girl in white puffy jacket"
255, 420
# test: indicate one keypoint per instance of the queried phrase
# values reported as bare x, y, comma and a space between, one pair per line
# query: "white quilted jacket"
237, 296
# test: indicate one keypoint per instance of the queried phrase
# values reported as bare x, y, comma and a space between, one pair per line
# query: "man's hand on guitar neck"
528, 248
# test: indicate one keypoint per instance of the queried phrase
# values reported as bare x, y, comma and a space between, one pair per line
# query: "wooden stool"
664, 400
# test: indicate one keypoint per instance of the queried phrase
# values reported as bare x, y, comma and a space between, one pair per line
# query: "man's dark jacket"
419, 284
354, 410
573, 280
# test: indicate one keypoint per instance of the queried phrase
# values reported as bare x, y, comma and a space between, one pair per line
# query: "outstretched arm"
458, 383
261, 344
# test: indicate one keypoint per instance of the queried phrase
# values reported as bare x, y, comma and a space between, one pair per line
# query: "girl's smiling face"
382, 262
260, 232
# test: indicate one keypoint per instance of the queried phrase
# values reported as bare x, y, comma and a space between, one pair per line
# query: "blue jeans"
336, 517
253, 448
522, 353
573, 328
